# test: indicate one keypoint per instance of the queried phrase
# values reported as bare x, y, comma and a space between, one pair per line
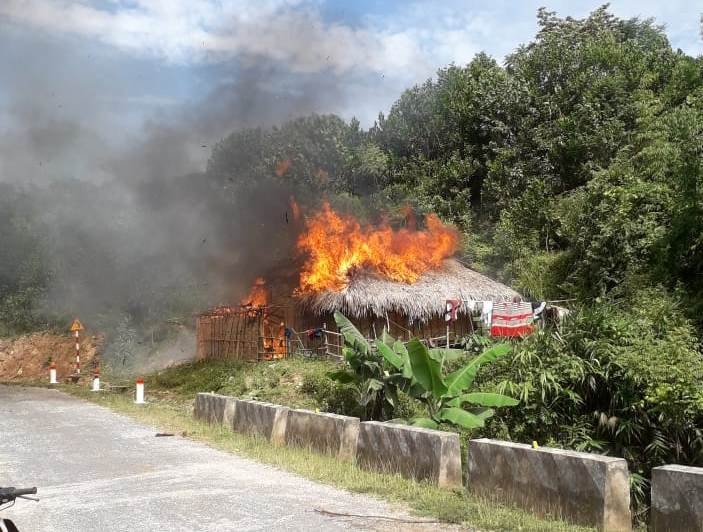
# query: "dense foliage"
621, 378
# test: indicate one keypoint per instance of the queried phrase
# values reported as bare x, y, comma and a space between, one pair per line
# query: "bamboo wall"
259, 334
249, 335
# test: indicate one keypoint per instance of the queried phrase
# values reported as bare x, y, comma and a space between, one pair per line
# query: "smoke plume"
124, 219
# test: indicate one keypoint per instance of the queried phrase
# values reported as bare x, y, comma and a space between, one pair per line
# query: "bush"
331, 396
620, 379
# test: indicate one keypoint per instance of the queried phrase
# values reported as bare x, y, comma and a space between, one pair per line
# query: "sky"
124, 65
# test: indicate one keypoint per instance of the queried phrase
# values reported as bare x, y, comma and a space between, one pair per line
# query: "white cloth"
471, 305
487, 313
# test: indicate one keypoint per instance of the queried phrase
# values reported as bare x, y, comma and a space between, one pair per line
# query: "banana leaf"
351, 333
461, 379
494, 400
461, 417
426, 369
391, 357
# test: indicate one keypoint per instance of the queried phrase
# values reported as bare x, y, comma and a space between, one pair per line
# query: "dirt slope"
27, 357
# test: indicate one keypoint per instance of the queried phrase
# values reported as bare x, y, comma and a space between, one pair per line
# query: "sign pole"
78, 353
75, 328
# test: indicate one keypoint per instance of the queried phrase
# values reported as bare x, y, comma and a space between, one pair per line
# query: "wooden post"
236, 337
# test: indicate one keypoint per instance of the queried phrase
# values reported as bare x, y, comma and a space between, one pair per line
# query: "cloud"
290, 32
402, 43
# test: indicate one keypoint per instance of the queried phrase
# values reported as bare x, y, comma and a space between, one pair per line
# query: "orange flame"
273, 339
258, 296
337, 245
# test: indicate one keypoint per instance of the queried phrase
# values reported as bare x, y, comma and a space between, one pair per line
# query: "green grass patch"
171, 410
294, 382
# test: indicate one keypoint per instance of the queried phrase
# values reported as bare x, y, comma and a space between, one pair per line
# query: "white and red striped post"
140, 391
52, 373
78, 354
96, 380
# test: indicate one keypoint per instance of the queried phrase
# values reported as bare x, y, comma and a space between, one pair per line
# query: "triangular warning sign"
76, 326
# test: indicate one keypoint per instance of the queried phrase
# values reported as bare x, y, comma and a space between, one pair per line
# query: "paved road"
97, 470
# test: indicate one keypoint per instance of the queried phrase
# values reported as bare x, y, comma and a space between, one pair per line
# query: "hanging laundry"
512, 319
315, 333
538, 308
486, 313
452, 308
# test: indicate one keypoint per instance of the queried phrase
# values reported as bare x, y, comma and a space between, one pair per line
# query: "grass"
171, 395
290, 382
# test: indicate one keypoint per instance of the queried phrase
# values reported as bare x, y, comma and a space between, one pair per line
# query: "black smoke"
128, 225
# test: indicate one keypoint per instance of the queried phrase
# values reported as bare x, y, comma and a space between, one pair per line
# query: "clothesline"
548, 301
505, 318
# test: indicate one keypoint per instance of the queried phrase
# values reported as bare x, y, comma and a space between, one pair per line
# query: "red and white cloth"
512, 319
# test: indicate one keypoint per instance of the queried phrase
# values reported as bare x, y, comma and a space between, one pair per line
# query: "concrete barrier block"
214, 408
677, 499
327, 433
584, 488
257, 418
414, 452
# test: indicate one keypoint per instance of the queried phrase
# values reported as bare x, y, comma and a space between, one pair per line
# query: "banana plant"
380, 369
376, 380
445, 396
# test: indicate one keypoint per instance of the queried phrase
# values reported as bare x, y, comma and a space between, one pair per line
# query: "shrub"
331, 396
620, 379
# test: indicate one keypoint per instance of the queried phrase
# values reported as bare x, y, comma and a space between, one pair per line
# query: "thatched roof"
370, 295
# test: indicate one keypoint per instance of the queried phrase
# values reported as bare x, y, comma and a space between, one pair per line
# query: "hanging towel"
512, 319
486, 313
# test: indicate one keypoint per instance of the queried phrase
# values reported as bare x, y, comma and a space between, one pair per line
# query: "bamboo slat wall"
259, 334
249, 335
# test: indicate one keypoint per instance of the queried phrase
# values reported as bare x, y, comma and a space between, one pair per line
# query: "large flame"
271, 334
338, 244
258, 296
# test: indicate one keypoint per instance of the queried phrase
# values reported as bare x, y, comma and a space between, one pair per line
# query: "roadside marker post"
140, 392
52, 373
96, 380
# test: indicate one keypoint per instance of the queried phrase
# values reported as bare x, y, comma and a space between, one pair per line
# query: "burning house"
380, 277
